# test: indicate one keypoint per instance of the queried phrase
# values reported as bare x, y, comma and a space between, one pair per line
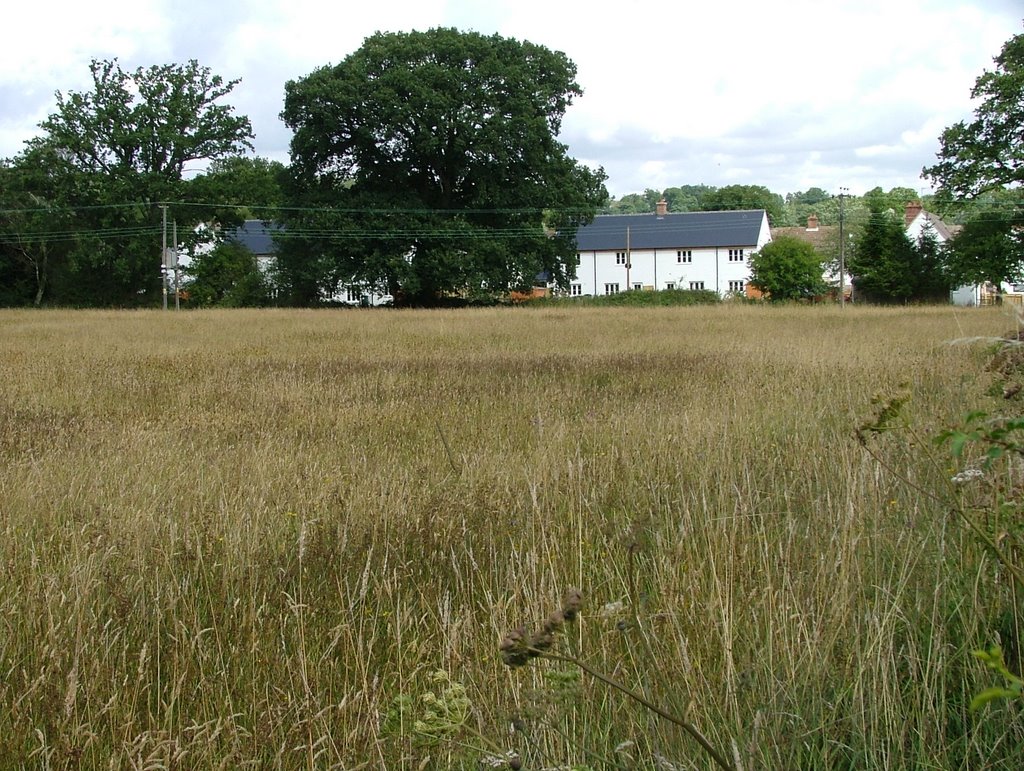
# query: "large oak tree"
987, 152
441, 151
108, 156
989, 248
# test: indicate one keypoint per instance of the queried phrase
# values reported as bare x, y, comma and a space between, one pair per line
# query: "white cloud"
790, 96
43, 43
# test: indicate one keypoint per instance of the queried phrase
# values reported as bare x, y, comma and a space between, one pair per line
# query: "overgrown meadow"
287, 539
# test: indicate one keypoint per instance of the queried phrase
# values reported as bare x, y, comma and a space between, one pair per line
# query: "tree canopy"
788, 268
679, 199
441, 149
83, 198
989, 248
812, 196
149, 122
227, 276
988, 151
894, 201
736, 197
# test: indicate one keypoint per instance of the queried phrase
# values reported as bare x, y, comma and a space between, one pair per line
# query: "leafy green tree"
652, 197
150, 122
811, 196
987, 152
111, 155
631, 203
232, 190
686, 197
989, 248
736, 197
682, 199
226, 276
441, 147
827, 211
787, 268
236, 188
801, 205
895, 200
33, 230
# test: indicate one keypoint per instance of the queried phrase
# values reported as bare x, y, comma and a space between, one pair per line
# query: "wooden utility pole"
843, 192
177, 273
163, 255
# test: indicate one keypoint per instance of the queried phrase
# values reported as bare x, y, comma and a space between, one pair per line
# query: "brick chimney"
913, 209
812, 222
661, 208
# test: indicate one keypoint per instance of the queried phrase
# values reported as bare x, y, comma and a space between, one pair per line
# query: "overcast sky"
792, 95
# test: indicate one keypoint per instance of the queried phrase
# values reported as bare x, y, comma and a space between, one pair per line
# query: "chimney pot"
812, 222
662, 207
913, 209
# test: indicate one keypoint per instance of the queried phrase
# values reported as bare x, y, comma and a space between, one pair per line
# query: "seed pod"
554, 622
572, 603
541, 641
514, 650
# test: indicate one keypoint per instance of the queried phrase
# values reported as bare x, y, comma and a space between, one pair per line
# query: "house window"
670, 285
637, 287
684, 255
611, 288
579, 258
736, 287
354, 294
696, 285
575, 290
620, 258
735, 255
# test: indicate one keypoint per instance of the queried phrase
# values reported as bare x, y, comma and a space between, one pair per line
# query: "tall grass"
236, 539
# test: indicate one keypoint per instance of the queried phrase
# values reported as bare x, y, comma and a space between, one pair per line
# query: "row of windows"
682, 256
735, 287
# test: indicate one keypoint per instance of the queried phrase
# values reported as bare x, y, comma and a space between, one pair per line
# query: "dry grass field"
295, 539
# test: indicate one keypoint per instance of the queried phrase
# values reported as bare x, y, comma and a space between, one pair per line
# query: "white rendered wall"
657, 269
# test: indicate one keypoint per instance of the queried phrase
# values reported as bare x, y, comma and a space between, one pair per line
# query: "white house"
918, 221
258, 237
686, 250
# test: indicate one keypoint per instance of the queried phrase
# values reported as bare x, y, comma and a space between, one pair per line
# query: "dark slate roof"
683, 230
255, 235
